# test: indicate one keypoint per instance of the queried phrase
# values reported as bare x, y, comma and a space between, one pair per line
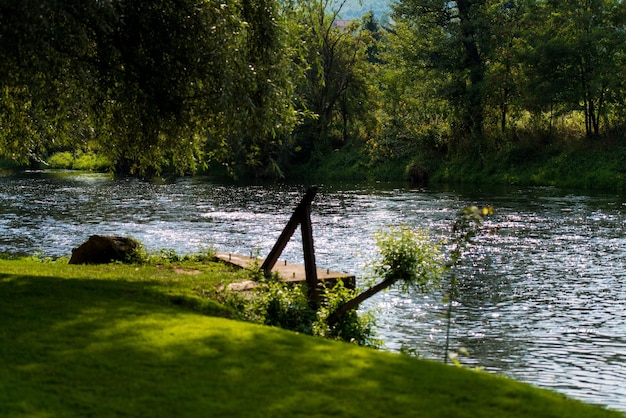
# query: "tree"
264, 113
453, 46
414, 117
336, 87
503, 74
406, 256
154, 84
574, 55
40, 101
409, 257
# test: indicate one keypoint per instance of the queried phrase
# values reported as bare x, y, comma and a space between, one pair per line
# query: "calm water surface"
542, 297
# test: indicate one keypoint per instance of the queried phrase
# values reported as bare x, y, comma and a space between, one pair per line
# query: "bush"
61, 160
287, 306
91, 162
279, 304
409, 256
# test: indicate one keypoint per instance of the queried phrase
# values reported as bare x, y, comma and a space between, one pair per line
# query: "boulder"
101, 249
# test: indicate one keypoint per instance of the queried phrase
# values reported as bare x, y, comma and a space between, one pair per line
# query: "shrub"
284, 305
407, 255
279, 304
86, 161
91, 162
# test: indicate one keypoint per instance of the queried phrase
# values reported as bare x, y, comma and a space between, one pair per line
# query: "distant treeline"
262, 88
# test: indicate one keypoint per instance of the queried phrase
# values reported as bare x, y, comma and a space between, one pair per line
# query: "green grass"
85, 161
116, 341
591, 164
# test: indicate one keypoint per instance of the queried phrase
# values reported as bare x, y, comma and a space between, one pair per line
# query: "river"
542, 295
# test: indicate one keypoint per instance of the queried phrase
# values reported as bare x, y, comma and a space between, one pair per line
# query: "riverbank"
583, 166
151, 340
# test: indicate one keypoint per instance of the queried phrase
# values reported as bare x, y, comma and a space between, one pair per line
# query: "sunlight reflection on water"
542, 300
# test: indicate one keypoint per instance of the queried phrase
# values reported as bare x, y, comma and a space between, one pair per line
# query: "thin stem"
449, 324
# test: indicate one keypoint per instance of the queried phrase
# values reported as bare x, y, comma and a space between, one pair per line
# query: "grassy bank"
140, 341
591, 165
582, 166
84, 161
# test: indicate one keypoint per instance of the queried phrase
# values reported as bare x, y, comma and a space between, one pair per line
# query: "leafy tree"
40, 100
406, 256
258, 130
574, 55
336, 89
453, 46
504, 72
154, 84
414, 117
370, 24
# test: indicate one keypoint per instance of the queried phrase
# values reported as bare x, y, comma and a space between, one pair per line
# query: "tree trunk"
355, 302
473, 63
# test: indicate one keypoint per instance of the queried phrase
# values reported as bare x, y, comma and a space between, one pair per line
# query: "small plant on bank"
406, 256
169, 256
467, 225
138, 254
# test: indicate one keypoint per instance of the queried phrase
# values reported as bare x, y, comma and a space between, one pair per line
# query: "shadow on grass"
93, 348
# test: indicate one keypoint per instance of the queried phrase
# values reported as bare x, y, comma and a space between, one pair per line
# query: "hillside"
354, 9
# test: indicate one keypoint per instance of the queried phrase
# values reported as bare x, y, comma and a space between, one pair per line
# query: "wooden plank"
291, 273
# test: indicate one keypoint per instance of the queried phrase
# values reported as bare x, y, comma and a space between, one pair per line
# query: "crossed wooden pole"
301, 216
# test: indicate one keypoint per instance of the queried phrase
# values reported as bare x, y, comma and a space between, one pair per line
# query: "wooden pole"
301, 216
296, 218
308, 249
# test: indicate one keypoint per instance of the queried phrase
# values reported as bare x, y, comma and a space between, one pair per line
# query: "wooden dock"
293, 273
290, 273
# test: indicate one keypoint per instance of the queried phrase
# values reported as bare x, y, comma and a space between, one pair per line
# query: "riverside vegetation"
159, 336
519, 91
579, 165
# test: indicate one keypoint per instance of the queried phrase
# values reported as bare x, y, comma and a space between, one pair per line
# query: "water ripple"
541, 297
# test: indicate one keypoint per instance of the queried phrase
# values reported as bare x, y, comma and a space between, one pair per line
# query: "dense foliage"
149, 84
287, 306
503, 69
260, 87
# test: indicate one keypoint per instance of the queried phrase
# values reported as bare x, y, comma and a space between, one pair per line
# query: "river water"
542, 292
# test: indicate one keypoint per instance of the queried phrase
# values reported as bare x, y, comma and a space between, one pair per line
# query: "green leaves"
574, 58
409, 256
152, 85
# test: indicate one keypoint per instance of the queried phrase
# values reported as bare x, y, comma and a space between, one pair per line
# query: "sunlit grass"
79, 341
